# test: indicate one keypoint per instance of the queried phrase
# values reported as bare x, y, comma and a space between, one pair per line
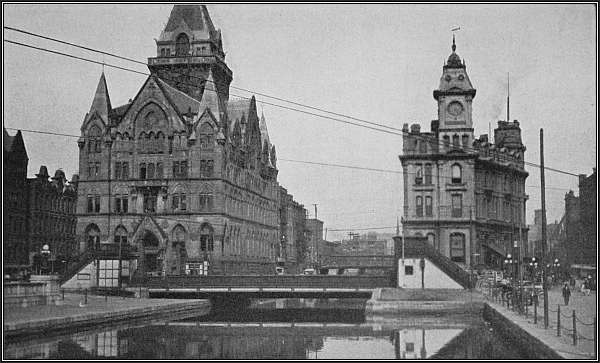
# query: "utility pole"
315, 210
543, 191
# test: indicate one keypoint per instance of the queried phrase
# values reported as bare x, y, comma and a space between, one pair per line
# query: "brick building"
466, 195
293, 232
580, 222
37, 211
182, 179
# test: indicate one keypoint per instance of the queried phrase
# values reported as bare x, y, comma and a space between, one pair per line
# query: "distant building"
580, 222
466, 195
52, 214
315, 241
293, 231
365, 246
555, 238
37, 211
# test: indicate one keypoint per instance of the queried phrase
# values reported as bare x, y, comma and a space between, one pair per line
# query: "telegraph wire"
292, 160
439, 142
429, 140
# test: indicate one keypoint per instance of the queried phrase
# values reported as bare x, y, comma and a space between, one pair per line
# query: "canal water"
280, 329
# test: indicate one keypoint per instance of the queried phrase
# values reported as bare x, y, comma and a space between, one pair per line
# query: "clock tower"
455, 97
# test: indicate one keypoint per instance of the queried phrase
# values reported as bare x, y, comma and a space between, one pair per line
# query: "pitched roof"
180, 100
195, 16
191, 19
13, 143
210, 98
101, 103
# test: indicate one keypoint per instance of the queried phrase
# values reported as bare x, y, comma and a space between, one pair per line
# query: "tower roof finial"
453, 43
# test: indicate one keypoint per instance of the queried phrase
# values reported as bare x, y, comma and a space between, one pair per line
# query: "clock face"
455, 108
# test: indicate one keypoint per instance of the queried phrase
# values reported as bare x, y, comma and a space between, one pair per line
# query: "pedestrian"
584, 287
566, 293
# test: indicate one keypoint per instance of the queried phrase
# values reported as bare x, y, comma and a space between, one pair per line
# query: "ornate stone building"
182, 179
466, 195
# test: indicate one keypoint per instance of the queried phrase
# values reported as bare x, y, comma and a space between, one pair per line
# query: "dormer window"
182, 45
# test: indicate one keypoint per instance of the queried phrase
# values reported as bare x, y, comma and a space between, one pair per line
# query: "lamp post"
556, 265
45, 252
508, 262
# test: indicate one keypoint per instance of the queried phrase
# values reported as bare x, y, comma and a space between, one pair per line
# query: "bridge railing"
268, 281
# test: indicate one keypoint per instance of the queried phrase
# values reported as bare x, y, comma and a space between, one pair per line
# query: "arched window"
143, 171
179, 235
446, 140
419, 174
455, 140
428, 175
121, 236
150, 240
428, 206
206, 135
141, 142
456, 174
457, 247
150, 170
206, 238
465, 141
160, 142
419, 204
433, 241
182, 45
92, 237
94, 140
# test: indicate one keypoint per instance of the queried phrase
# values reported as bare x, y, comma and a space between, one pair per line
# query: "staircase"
74, 267
421, 248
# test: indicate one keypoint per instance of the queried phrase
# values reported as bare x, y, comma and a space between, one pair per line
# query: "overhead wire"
296, 161
427, 139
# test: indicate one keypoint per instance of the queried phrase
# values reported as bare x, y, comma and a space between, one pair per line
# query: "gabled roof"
182, 103
210, 98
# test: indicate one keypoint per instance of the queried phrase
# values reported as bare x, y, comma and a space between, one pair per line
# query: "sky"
375, 62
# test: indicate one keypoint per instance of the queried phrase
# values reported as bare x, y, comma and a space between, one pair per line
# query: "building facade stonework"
465, 194
182, 178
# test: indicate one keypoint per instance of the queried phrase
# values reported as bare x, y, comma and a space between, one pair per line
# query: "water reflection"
326, 331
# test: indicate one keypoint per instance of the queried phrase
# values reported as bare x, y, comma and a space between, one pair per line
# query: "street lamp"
508, 261
45, 252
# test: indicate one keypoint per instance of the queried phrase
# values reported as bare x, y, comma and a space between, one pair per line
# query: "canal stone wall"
531, 345
28, 321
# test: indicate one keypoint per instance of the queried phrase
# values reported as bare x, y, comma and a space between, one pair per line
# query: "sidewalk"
99, 310
585, 308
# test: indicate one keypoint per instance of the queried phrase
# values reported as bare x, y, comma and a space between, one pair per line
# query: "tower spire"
508, 99
453, 43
